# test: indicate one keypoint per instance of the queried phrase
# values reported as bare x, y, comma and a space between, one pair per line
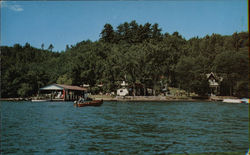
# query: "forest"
136, 53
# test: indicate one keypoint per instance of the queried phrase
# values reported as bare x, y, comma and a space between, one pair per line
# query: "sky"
69, 22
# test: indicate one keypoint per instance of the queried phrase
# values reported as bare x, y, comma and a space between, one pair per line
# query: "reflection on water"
124, 127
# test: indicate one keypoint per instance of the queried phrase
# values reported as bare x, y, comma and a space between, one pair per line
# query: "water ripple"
123, 128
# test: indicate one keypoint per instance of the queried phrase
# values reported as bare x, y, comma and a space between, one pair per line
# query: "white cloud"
12, 6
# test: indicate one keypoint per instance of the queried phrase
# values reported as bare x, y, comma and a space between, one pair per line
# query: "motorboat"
88, 103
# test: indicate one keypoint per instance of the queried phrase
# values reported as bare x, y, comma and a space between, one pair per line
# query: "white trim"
52, 87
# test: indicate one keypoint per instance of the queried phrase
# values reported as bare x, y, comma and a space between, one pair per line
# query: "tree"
64, 79
191, 75
232, 65
67, 48
108, 34
156, 32
27, 45
50, 47
139, 52
25, 90
42, 46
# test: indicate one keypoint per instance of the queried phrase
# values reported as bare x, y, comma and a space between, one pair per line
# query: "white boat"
232, 100
243, 100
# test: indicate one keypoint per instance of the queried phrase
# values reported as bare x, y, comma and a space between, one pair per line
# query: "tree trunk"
154, 88
133, 89
144, 89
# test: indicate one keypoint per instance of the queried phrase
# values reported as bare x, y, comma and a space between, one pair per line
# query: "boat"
88, 103
243, 100
232, 100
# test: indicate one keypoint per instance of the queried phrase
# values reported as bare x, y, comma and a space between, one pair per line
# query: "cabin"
123, 91
62, 92
214, 83
136, 89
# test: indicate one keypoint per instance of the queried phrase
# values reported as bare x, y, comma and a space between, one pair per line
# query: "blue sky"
69, 22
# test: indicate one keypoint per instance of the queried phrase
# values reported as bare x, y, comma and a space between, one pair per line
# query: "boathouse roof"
62, 86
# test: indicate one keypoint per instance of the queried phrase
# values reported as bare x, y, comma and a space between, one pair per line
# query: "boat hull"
40, 100
90, 103
244, 100
232, 101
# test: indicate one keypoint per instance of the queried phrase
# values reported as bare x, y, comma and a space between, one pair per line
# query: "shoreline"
126, 99
142, 98
168, 100
147, 99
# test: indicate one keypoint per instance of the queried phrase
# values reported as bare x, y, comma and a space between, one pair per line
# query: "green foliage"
64, 79
242, 88
233, 67
191, 75
132, 52
25, 90
50, 47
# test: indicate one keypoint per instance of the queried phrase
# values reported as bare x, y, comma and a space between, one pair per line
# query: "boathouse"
63, 92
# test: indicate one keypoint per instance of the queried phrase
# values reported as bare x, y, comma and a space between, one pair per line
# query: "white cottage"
214, 83
123, 91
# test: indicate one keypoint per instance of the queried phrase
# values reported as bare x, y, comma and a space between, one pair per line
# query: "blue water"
123, 127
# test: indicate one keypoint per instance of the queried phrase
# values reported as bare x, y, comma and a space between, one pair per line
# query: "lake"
123, 127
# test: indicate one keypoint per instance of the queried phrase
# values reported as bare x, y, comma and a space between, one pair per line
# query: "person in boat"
81, 100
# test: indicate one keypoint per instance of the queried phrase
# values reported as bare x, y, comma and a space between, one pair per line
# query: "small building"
123, 91
214, 83
63, 92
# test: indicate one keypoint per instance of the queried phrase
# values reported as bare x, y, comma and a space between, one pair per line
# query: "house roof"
210, 74
61, 87
214, 76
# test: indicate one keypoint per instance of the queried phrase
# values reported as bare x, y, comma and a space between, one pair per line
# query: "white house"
214, 83
122, 91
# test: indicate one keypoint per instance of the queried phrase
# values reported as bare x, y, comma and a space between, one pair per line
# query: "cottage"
63, 92
214, 83
123, 91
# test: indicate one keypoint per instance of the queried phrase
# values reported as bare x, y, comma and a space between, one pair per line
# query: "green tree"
137, 53
232, 66
64, 79
25, 90
108, 34
42, 46
191, 75
50, 47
